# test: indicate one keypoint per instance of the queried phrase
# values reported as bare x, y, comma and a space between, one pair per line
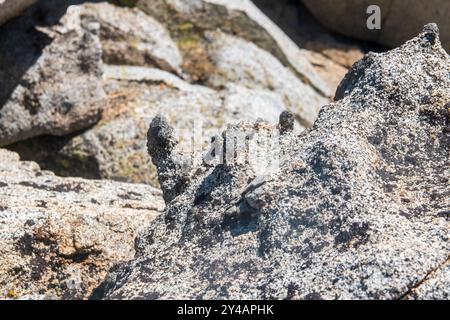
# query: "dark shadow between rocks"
46, 151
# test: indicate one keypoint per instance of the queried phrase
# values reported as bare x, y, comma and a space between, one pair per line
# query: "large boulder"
58, 237
354, 208
115, 148
188, 20
130, 37
50, 75
231, 79
260, 70
401, 19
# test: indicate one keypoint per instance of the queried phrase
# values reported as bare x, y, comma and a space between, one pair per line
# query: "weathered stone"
357, 208
50, 76
434, 286
130, 37
243, 63
58, 237
115, 148
11, 8
242, 81
400, 19
188, 21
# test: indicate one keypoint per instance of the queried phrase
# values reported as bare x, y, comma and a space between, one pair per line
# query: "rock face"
115, 148
260, 70
405, 17
51, 77
356, 207
11, 8
188, 20
434, 286
220, 79
130, 37
58, 237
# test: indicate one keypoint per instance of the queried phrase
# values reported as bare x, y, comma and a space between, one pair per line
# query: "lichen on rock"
357, 208
143, 75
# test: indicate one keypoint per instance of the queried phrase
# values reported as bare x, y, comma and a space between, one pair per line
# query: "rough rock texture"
435, 286
58, 237
11, 8
401, 19
131, 37
188, 20
115, 148
357, 208
242, 82
50, 75
260, 70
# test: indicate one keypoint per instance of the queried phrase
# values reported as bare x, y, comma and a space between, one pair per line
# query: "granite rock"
50, 71
145, 73
188, 20
354, 208
130, 37
115, 148
59, 236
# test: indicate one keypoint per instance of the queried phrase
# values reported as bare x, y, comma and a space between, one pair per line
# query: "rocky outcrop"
130, 37
401, 19
58, 237
11, 8
187, 21
239, 81
115, 148
51, 77
356, 207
